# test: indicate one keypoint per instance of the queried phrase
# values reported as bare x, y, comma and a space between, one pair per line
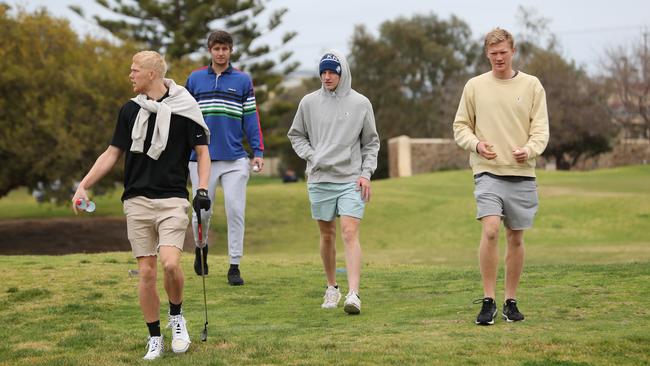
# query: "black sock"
175, 309
154, 328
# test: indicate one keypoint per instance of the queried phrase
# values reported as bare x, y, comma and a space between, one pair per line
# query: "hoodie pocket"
332, 158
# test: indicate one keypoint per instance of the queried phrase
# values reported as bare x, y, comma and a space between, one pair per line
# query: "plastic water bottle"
88, 206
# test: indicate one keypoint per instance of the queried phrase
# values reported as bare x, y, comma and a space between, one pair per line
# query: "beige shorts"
151, 223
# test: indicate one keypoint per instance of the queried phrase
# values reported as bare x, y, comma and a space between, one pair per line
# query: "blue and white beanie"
330, 62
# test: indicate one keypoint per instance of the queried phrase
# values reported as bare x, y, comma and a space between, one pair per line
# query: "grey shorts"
515, 201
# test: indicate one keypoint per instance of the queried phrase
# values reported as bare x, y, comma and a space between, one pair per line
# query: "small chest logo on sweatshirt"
518, 99
344, 116
232, 90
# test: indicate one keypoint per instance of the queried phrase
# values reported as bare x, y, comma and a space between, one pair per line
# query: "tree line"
60, 92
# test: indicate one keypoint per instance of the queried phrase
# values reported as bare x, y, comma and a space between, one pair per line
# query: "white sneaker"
352, 303
155, 348
331, 298
180, 337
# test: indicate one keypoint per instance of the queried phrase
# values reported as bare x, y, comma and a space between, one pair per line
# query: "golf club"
204, 333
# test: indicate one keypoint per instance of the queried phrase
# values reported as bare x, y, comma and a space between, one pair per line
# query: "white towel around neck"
179, 102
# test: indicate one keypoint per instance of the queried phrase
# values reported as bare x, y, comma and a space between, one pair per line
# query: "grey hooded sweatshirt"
335, 132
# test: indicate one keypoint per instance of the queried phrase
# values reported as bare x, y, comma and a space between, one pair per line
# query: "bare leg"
514, 261
488, 254
328, 249
170, 258
147, 291
350, 233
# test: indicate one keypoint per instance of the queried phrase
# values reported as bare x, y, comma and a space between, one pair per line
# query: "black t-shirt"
167, 176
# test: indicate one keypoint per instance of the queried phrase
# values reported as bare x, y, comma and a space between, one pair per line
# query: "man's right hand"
201, 200
485, 150
79, 194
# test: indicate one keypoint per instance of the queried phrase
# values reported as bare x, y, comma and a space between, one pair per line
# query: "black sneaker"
488, 311
510, 311
234, 277
197, 260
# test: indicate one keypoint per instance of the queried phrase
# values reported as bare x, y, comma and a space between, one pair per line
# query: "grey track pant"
232, 176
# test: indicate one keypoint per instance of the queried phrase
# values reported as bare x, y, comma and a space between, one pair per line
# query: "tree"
279, 120
58, 100
580, 123
413, 73
535, 35
180, 28
629, 71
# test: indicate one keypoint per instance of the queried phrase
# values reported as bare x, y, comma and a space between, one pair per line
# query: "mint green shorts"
329, 200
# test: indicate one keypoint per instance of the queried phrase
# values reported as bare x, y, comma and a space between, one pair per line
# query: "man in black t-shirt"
158, 130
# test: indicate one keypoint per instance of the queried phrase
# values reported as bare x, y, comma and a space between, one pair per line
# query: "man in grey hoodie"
334, 131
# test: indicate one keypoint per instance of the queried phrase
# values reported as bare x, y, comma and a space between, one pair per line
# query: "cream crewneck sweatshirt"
508, 114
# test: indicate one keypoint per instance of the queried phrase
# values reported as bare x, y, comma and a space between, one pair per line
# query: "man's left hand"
201, 200
363, 184
520, 154
259, 163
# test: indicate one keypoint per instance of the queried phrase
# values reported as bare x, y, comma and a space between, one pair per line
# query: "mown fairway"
584, 289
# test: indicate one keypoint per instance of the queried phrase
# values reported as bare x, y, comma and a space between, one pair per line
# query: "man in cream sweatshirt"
334, 131
503, 122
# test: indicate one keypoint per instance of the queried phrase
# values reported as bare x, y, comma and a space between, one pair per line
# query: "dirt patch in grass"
67, 236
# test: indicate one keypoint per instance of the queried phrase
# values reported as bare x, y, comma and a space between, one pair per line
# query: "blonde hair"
498, 35
151, 60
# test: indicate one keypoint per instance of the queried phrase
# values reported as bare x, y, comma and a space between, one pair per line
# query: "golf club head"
204, 334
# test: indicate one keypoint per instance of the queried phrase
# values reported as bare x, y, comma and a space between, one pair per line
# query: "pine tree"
179, 29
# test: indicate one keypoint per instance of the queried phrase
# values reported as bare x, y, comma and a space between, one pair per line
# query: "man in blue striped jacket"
227, 101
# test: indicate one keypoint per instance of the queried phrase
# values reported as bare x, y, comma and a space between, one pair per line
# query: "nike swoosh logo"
198, 136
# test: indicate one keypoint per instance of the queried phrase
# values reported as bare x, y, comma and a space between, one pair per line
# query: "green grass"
584, 289
87, 313
19, 204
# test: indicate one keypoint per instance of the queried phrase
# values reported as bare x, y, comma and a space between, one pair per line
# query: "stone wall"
428, 155
626, 152
407, 156
395, 169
